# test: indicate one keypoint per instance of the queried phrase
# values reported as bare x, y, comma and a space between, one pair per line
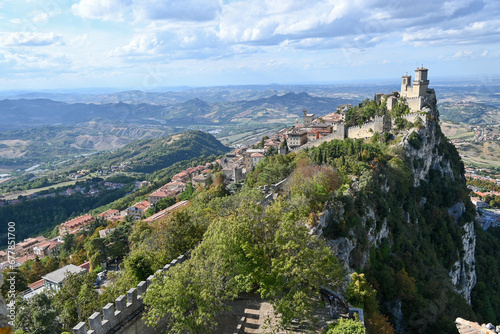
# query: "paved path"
259, 318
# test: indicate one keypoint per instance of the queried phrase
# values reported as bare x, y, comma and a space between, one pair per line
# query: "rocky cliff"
413, 217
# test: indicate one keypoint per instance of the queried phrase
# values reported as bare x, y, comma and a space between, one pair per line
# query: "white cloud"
141, 45
473, 33
30, 39
463, 54
106, 10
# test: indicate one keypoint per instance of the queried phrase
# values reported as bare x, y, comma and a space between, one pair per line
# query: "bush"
346, 326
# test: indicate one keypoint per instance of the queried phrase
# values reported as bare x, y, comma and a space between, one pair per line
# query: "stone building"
416, 94
307, 118
296, 138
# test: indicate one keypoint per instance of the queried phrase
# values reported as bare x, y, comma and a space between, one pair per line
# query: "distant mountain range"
44, 130
24, 113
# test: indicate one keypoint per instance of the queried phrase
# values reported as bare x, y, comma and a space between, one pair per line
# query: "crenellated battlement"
121, 317
379, 124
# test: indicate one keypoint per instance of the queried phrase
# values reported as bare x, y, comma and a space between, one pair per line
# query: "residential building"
74, 225
26, 247
47, 248
160, 194
200, 179
108, 214
138, 210
296, 138
174, 185
54, 280
256, 157
104, 233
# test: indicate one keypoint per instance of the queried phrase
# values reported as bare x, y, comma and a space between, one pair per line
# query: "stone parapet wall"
339, 134
368, 129
414, 116
124, 316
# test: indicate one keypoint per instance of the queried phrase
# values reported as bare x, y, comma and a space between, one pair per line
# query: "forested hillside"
151, 158
149, 155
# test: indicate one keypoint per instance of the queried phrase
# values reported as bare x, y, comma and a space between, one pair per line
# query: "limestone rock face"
425, 158
463, 272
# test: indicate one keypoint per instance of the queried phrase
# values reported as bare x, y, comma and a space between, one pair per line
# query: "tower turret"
420, 84
406, 88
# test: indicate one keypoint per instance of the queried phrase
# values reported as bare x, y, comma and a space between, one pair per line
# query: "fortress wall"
415, 103
124, 317
414, 116
367, 129
338, 134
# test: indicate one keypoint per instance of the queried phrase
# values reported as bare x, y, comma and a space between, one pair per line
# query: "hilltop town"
388, 115
311, 131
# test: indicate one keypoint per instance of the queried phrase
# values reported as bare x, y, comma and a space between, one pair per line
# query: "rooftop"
78, 220
159, 215
58, 275
36, 285
107, 213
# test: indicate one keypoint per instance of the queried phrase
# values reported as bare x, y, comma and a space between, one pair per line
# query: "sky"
152, 44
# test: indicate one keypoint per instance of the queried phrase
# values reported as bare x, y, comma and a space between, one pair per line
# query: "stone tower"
406, 85
415, 95
420, 84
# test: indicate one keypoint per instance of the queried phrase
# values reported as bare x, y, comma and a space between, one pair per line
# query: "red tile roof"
37, 284
25, 258
50, 244
85, 265
161, 193
75, 222
144, 205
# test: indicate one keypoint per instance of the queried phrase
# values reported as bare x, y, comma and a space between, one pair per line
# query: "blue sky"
149, 44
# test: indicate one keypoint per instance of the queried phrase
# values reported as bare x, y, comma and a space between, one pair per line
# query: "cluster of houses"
313, 128
29, 249
79, 174
197, 175
472, 173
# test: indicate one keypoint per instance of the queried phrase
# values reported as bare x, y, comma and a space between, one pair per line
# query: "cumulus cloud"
196, 29
473, 33
30, 39
140, 45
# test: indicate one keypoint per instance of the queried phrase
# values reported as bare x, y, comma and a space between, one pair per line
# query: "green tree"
37, 315
20, 282
273, 255
361, 294
76, 300
346, 326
